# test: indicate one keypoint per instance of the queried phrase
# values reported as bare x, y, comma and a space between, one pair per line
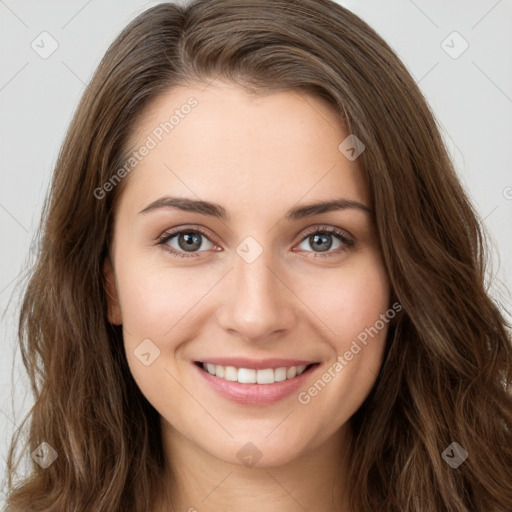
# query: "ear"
114, 309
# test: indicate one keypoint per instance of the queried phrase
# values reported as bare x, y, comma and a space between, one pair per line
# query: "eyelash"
322, 230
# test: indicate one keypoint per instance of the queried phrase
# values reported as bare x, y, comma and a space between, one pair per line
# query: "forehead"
221, 143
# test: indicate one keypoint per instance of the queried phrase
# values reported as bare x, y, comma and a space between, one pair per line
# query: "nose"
257, 302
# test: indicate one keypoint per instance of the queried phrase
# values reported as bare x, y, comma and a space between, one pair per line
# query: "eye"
187, 240
321, 238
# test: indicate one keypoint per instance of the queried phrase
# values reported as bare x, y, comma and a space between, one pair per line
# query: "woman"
261, 284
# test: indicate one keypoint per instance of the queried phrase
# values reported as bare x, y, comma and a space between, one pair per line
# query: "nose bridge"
256, 302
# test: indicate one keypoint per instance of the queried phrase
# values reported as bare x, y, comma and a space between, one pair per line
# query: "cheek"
348, 300
352, 304
157, 299
157, 305
154, 297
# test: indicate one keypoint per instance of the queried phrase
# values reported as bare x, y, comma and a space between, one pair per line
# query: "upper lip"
255, 364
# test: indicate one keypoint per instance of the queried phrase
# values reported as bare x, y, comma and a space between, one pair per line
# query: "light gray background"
471, 96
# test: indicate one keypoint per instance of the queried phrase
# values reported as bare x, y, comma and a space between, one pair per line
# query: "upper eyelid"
171, 233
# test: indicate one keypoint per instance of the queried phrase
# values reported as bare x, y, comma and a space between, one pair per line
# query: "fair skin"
257, 157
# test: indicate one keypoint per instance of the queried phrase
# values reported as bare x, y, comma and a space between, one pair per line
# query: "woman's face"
255, 290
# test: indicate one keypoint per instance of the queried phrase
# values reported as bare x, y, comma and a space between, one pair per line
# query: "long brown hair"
447, 372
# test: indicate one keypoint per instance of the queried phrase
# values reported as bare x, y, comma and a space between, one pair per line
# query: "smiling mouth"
252, 376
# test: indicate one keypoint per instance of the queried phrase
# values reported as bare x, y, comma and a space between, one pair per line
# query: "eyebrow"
218, 211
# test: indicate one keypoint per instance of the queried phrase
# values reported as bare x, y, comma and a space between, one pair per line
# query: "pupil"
189, 241
319, 239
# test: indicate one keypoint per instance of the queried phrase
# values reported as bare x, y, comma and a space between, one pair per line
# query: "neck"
198, 481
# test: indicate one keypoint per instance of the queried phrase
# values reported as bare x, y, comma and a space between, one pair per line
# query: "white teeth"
300, 369
250, 376
280, 374
231, 373
246, 376
265, 376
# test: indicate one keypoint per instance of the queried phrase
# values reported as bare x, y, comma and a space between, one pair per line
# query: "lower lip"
255, 394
